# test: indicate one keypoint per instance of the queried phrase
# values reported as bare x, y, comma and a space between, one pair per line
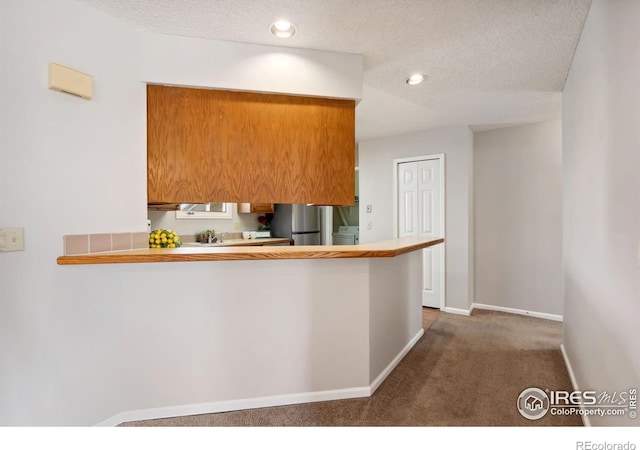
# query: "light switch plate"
11, 239
369, 208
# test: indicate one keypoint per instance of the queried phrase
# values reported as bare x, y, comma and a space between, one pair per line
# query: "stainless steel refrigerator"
301, 223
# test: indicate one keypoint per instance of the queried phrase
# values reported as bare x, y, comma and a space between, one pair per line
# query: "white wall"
75, 166
235, 330
71, 166
188, 61
601, 181
376, 189
518, 217
395, 307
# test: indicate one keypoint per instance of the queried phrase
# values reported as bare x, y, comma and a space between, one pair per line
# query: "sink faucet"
222, 237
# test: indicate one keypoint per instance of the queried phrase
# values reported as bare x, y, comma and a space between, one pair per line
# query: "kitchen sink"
226, 243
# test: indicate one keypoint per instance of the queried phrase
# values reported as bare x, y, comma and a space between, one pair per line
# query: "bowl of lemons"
162, 238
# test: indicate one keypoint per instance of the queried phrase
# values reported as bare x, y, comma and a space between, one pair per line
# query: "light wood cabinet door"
262, 208
208, 145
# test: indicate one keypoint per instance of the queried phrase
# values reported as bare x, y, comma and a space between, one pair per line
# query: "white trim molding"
574, 383
261, 402
234, 405
375, 384
459, 311
522, 312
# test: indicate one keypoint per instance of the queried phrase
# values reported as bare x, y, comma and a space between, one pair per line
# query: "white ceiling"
490, 63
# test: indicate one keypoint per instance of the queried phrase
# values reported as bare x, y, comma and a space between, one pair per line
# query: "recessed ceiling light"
283, 29
414, 79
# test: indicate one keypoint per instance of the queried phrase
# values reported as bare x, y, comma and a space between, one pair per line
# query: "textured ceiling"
490, 63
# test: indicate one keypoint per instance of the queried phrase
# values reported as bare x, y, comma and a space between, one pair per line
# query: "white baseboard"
523, 312
394, 362
574, 383
462, 312
261, 402
235, 405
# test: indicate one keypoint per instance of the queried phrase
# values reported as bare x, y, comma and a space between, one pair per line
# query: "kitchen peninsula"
230, 251
249, 327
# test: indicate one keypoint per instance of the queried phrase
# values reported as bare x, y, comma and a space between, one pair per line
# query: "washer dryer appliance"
347, 235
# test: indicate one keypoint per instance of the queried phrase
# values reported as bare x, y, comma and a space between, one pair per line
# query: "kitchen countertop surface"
383, 249
239, 242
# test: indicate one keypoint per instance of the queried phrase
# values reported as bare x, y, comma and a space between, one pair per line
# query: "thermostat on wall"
70, 81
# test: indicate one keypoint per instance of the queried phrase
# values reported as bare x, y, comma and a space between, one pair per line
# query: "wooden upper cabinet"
262, 208
208, 145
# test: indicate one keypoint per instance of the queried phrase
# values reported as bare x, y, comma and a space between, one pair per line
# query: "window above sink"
205, 211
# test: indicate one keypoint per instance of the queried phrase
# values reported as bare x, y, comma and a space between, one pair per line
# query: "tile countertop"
382, 249
240, 242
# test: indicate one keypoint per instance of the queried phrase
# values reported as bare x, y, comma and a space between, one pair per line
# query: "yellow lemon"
172, 245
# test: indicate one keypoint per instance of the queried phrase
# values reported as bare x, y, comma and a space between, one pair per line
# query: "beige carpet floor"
464, 371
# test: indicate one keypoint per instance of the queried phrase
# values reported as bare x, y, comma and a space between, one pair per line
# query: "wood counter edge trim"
413, 248
239, 255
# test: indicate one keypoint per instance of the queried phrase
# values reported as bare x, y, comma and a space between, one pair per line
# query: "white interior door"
420, 212
408, 199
